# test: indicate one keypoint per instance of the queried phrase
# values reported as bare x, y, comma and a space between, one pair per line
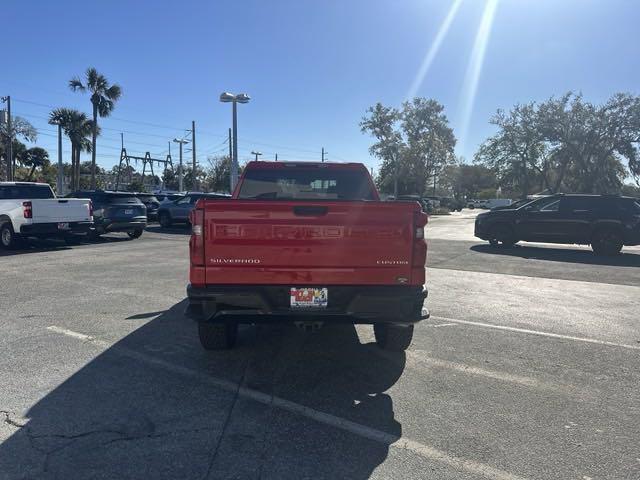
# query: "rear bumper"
52, 229
270, 304
122, 225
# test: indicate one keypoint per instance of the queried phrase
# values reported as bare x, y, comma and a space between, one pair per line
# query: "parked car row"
431, 203
489, 203
177, 211
32, 210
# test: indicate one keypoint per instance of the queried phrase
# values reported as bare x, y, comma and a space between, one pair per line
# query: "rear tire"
395, 338
8, 238
164, 219
217, 336
606, 242
502, 234
135, 234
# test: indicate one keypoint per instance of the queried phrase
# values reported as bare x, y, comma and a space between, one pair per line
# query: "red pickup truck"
309, 243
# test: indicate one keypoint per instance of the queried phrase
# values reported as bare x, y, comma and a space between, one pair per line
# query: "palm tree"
36, 157
103, 98
78, 128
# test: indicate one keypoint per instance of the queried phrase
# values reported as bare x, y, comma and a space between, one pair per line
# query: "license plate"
309, 297
63, 226
128, 211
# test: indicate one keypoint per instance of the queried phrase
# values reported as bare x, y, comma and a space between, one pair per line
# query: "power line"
246, 141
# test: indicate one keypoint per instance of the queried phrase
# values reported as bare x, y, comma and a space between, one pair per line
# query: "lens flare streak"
474, 70
433, 50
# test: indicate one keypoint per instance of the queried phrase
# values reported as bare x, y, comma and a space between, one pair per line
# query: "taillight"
90, 208
27, 209
196, 243
419, 256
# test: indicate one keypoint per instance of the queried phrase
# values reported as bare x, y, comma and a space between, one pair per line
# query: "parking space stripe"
423, 450
537, 333
419, 358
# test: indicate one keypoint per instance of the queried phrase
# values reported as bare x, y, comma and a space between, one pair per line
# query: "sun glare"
474, 70
433, 50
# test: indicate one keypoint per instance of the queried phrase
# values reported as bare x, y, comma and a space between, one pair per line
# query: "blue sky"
311, 67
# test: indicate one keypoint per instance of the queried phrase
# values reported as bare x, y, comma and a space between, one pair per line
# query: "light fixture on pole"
227, 97
181, 142
257, 154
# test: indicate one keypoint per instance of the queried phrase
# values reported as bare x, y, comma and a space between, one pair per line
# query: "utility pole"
230, 162
276, 157
323, 152
180, 142
234, 163
7, 99
60, 185
257, 154
193, 156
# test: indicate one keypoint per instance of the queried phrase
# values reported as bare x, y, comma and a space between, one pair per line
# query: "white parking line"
423, 450
537, 332
419, 358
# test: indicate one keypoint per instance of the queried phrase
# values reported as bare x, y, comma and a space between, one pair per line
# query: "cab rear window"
294, 183
13, 192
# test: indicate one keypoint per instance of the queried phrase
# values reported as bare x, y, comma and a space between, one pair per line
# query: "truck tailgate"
61, 210
308, 243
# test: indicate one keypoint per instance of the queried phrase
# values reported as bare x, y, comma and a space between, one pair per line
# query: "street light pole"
257, 154
180, 142
227, 97
234, 164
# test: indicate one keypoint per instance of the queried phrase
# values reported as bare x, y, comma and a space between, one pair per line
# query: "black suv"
178, 211
115, 212
606, 222
152, 203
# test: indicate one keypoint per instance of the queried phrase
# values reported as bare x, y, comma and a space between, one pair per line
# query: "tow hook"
309, 327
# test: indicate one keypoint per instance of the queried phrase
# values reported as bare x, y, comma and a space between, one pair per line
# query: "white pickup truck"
30, 209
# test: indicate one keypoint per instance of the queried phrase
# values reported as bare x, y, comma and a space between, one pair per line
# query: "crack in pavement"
39, 441
9, 421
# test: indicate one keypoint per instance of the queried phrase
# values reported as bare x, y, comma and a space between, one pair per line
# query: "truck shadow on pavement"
51, 245
624, 259
155, 405
178, 229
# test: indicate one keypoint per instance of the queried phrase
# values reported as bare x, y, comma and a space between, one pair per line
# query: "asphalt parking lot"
528, 369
